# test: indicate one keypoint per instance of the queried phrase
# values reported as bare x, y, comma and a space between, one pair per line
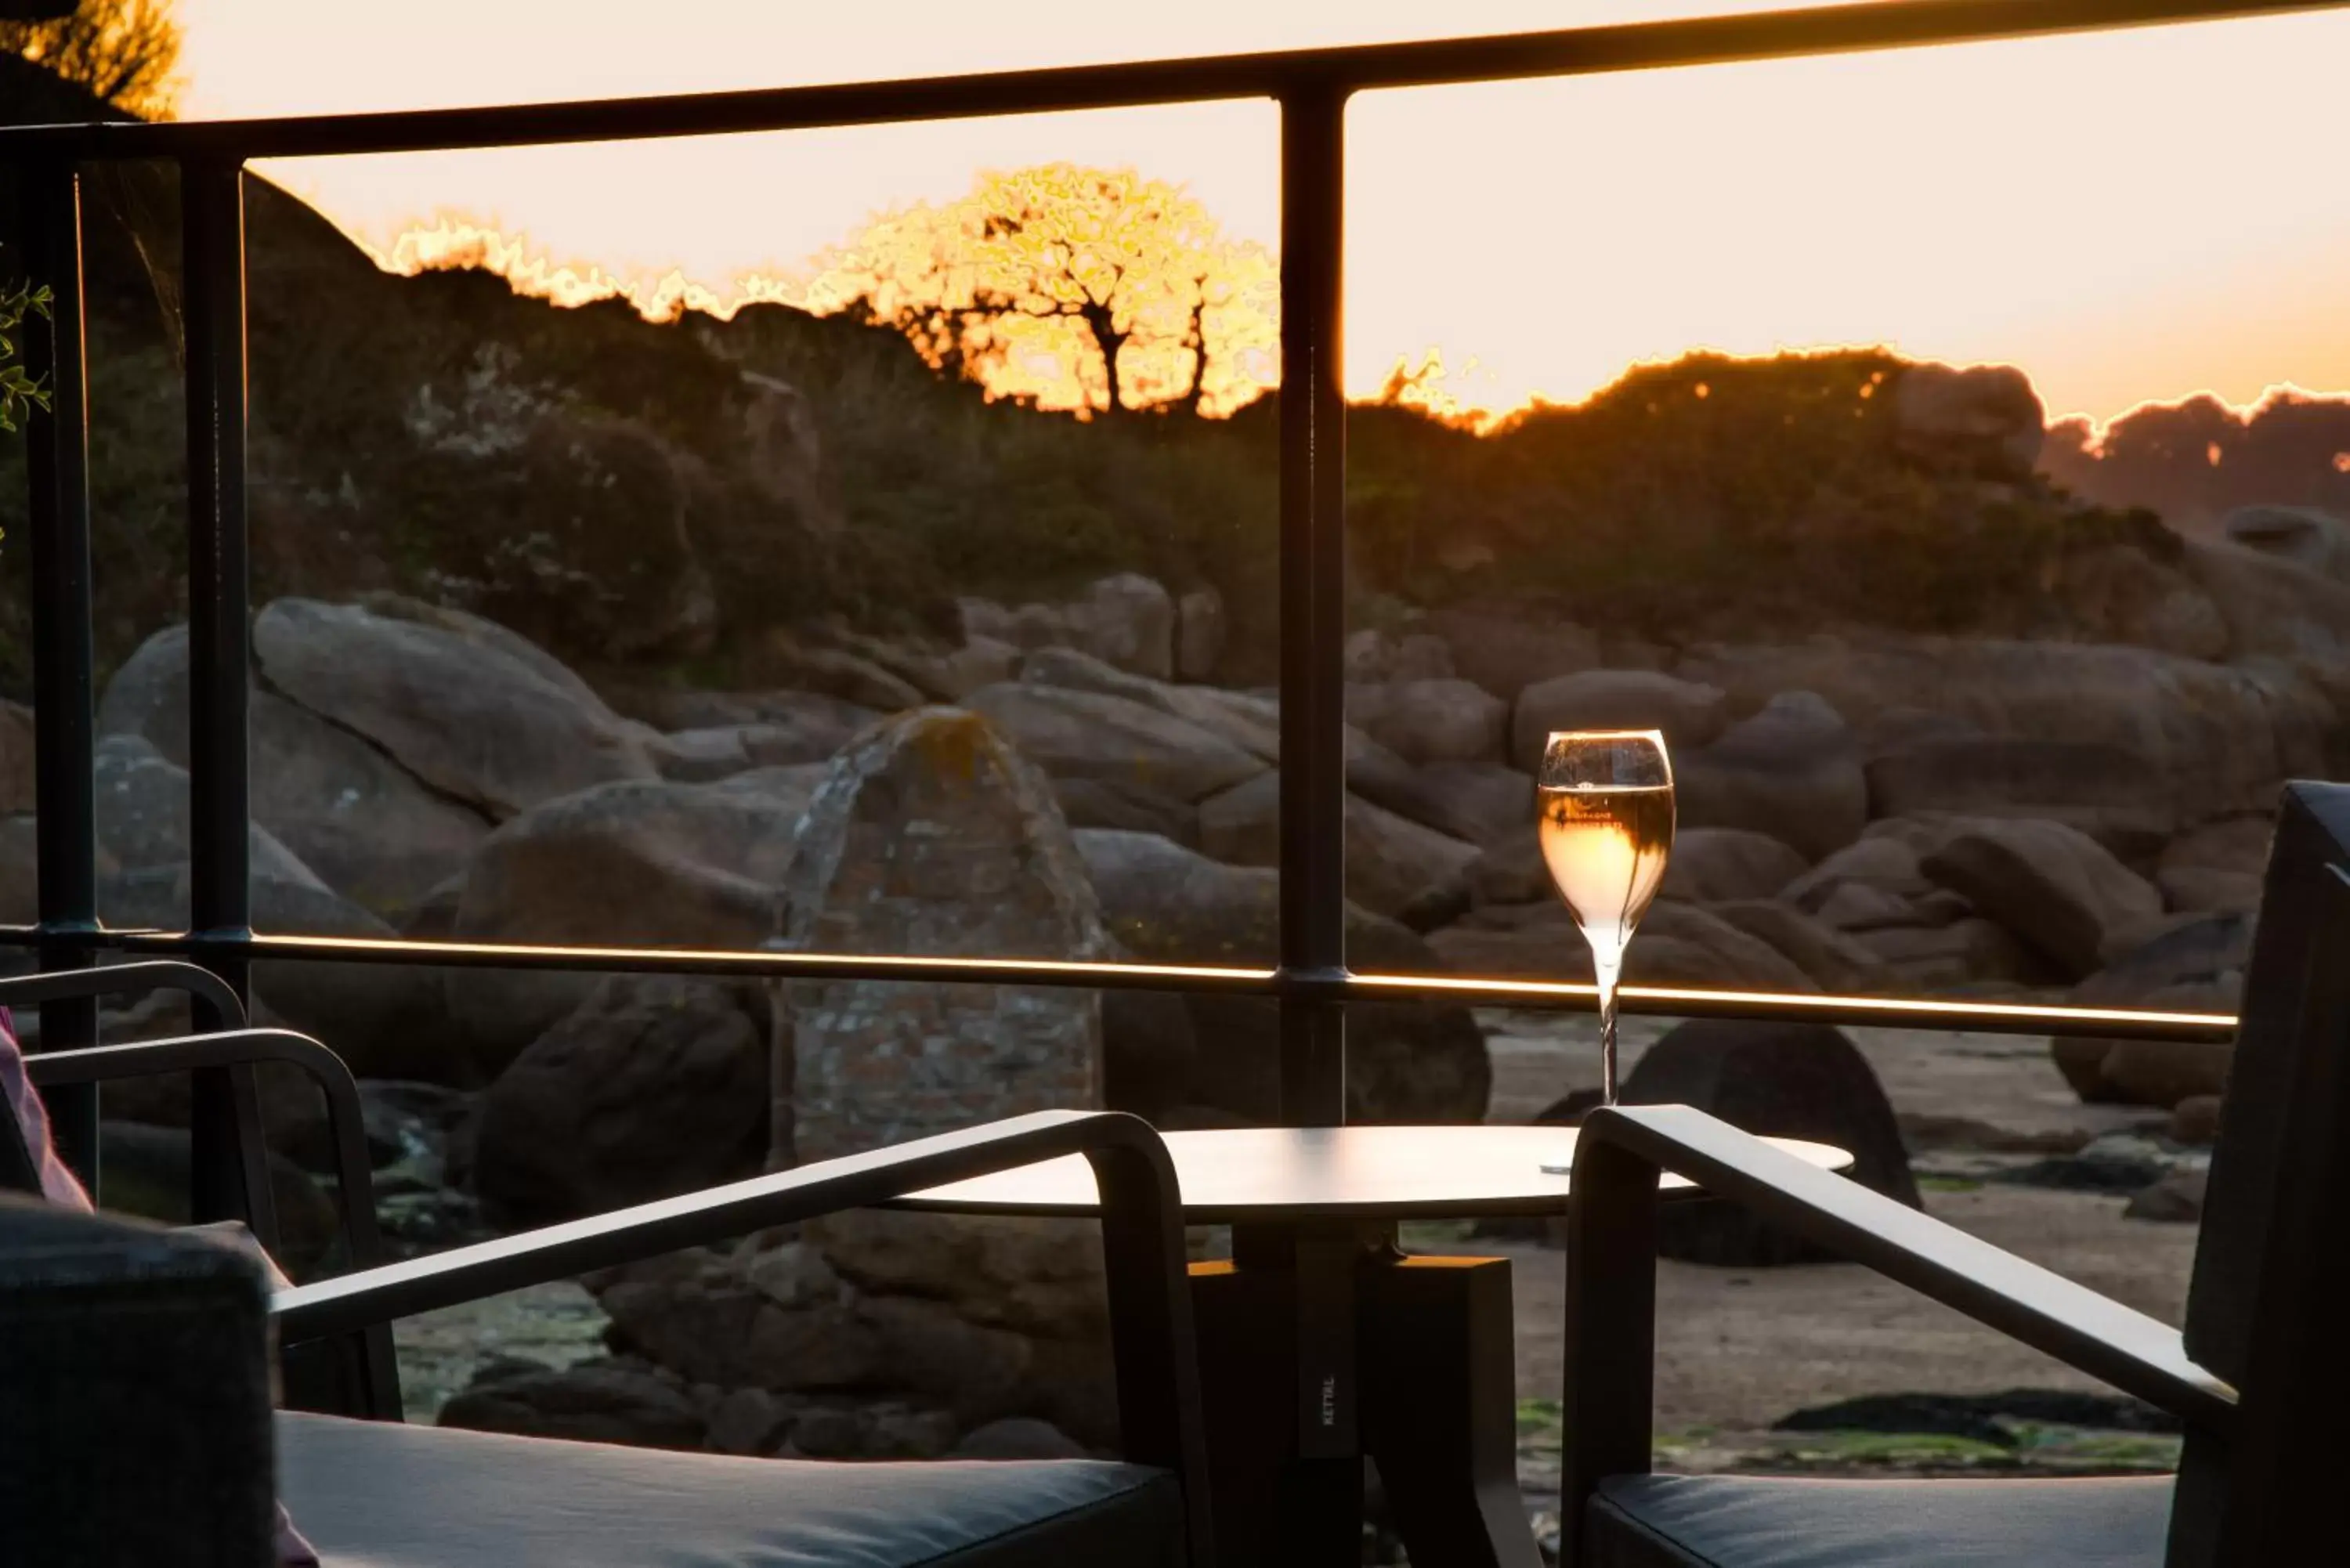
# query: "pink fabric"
59, 1185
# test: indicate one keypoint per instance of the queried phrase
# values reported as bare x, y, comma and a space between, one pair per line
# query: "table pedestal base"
1321, 1345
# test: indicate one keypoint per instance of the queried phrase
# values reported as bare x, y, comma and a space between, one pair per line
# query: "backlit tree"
1075, 288
123, 51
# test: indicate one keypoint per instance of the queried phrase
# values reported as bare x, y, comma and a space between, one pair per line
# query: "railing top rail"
1267, 981
1702, 40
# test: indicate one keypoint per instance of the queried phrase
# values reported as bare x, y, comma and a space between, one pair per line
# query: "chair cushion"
1761, 1521
29, 1156
134, 1394
383, 1495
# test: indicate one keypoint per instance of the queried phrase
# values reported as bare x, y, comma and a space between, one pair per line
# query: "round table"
1249, 1175
1320, 1341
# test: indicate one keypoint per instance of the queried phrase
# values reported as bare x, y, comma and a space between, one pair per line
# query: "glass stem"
1607, 970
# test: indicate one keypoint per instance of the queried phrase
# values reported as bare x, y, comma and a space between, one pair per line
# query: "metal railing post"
1313, 599
228, 1169
57, 449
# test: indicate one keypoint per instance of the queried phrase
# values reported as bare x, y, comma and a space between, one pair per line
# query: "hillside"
698, 497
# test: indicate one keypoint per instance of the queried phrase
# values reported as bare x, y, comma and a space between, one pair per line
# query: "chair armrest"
240, 1048
1611, 1278
124, 980
228, 1175
1142, 1247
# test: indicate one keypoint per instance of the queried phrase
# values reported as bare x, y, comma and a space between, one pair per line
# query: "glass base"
1550, 1169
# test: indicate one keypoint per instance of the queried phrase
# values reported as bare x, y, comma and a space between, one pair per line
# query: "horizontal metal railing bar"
1859, 1012
1904, 1013
758, 963
1640, 46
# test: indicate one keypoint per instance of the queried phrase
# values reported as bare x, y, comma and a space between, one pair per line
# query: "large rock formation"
1782, 1080
644, 862
1395, 867
2127, 745
655, 1085
1251, 723
16, 758
1093, 744
1127, 621
2053, 886
2215, 868
141, 801
1482, 802
1983, 420
1444, 720
1504, 652
2197, 966
1835, 962
2308, 537
1689, 714
1406, 1062
464, 709
1722, 863
384, 1020
1791, 770
932, 835
1917, 935
1678, 944
371, 829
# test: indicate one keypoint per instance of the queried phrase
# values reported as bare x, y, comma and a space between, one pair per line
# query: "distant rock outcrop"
1985, 420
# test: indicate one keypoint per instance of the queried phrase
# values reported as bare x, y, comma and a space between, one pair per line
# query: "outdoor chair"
135, 1423
2257, 1378
394, 1496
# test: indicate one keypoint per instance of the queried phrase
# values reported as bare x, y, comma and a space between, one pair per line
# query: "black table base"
1321, 1344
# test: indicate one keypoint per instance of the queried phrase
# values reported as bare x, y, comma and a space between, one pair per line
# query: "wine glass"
1607, 830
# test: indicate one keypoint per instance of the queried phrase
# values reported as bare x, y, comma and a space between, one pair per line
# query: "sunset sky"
2129, 216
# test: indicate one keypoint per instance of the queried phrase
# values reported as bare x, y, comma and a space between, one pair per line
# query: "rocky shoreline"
1874, 813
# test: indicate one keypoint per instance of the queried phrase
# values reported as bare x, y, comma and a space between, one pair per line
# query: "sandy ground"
1738, 1349
2002, 1083
555, 1324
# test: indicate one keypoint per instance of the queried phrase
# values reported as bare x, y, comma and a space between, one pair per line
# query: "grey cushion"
1760, 1521
134, 1394
382, 1495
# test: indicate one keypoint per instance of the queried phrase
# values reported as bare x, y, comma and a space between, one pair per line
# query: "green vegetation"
1774, 502
1435, 1235
1716, 496
1540, 1424
2033, 1448
2026, 1447
18, 391
1895, 1450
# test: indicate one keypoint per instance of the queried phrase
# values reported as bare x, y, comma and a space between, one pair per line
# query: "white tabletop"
1363, 1172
